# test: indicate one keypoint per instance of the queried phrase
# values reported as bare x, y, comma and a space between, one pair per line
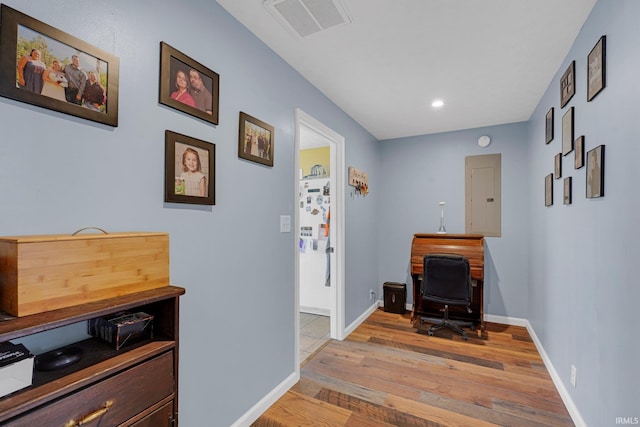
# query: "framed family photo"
187, 85
568, 84
558, 166
44, 66
189, 170
596, 69
567, 132
595, 172
548, 190
549, 126
255, 140
566, 199
579, 151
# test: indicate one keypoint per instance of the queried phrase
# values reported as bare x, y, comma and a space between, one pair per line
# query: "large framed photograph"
189, 170
568, 84
567, 132
549, 126
187, 85
44, 66
596, 69
255, 140
548, 190
595, 172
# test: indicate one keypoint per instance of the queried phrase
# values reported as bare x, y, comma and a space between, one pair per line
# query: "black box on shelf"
122, 329
395, 297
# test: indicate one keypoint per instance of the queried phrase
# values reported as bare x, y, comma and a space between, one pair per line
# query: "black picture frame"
558, 166
549, 126
568, 84
595, 173
29, 46
566, 199
596, 69
176, 189
567, 132
579, 152
548, 190
250, 146
194, 102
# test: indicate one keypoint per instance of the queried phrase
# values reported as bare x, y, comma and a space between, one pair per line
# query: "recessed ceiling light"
437, 103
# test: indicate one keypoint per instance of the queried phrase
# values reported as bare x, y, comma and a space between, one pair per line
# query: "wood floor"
387, 374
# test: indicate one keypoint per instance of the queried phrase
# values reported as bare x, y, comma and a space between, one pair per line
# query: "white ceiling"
490, 61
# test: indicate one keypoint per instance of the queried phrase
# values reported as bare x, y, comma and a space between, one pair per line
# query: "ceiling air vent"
304, 17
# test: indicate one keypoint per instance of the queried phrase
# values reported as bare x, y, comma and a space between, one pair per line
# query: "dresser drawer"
109, 402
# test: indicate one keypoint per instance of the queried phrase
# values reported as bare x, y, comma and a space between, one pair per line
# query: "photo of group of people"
50, 68
255, 140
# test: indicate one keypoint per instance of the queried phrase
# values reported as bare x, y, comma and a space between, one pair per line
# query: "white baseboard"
504, 320
352, 327
259, 408
562, 390
314, 310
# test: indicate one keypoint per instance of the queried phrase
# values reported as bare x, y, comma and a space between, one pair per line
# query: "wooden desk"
469, 245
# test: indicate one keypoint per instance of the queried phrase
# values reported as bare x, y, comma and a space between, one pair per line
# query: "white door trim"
336, 144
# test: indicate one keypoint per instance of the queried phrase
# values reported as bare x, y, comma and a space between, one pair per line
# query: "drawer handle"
92, 416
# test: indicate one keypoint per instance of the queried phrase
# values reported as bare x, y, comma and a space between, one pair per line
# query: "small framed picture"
189, 170
43, 66
567, 132
596, 69
567, 84
548, 190
187, 85
579, 151
595, 172
549, 126
255, 140
558, 166
566, 199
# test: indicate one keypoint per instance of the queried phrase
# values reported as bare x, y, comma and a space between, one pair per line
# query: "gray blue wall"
421, 171
63, 173
583, 259
570, 270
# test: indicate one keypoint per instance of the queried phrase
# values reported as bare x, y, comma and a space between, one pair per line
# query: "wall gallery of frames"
596, 82
43, 66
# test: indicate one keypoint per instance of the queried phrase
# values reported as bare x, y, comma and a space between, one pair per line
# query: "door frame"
336, 230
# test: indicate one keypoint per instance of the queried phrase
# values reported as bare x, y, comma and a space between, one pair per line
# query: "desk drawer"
111, 401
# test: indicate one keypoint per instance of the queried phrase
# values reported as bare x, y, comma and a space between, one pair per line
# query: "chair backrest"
446, 279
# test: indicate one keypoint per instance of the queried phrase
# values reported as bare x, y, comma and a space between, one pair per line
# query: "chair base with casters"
448, 323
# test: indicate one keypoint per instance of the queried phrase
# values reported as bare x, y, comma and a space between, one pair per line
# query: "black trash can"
395, 297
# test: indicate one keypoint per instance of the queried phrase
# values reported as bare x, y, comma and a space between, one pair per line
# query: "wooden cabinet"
135, 386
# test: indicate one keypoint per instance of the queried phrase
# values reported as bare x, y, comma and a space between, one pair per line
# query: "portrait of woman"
30, 69
54, 81
182, 89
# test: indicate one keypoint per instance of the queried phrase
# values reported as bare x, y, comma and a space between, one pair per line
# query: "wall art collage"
46, 67
596, 82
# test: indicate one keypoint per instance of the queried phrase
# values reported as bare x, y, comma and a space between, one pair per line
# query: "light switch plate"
285, 223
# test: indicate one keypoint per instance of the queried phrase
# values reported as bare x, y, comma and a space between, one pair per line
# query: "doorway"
309, 132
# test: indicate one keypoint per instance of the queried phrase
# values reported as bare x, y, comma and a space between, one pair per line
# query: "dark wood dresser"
134, 386
469, 245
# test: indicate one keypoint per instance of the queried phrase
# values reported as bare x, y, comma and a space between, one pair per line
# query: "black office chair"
446, 280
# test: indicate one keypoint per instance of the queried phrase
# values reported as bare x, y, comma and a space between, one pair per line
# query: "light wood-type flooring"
387, 374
